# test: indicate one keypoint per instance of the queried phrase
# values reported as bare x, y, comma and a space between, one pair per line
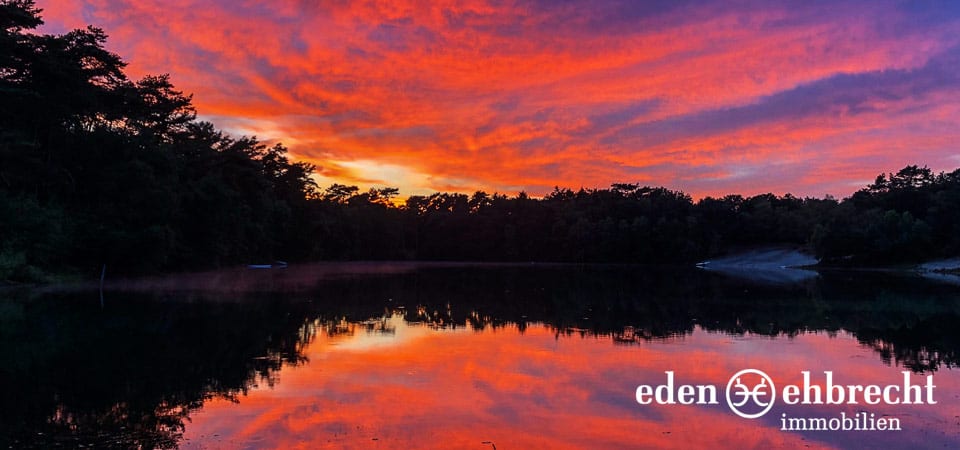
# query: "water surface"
463, 356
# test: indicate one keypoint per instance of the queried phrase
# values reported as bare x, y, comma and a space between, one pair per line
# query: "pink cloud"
534, 95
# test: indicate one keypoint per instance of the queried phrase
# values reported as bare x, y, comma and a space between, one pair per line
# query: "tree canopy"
101, 169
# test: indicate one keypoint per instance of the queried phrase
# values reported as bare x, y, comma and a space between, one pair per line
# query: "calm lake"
371, 355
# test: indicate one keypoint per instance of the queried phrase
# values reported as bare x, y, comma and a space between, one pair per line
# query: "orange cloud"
528, 95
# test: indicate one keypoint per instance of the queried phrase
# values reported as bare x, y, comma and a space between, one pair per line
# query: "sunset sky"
711, 98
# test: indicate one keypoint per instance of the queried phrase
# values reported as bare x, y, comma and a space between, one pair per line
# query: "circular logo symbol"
750, 393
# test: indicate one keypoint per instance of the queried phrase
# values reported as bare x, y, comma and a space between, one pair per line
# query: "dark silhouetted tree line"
100, 169
97, 169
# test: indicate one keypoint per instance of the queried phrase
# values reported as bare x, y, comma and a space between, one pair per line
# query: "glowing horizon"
706, 97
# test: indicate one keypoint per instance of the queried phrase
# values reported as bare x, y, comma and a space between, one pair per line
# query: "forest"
97, 169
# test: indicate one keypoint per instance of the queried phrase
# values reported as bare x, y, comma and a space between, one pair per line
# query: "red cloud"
520, 96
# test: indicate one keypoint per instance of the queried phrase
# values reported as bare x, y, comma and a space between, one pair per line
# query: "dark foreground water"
407, 356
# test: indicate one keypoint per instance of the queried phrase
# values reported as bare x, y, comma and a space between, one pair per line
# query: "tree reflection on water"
131, 373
